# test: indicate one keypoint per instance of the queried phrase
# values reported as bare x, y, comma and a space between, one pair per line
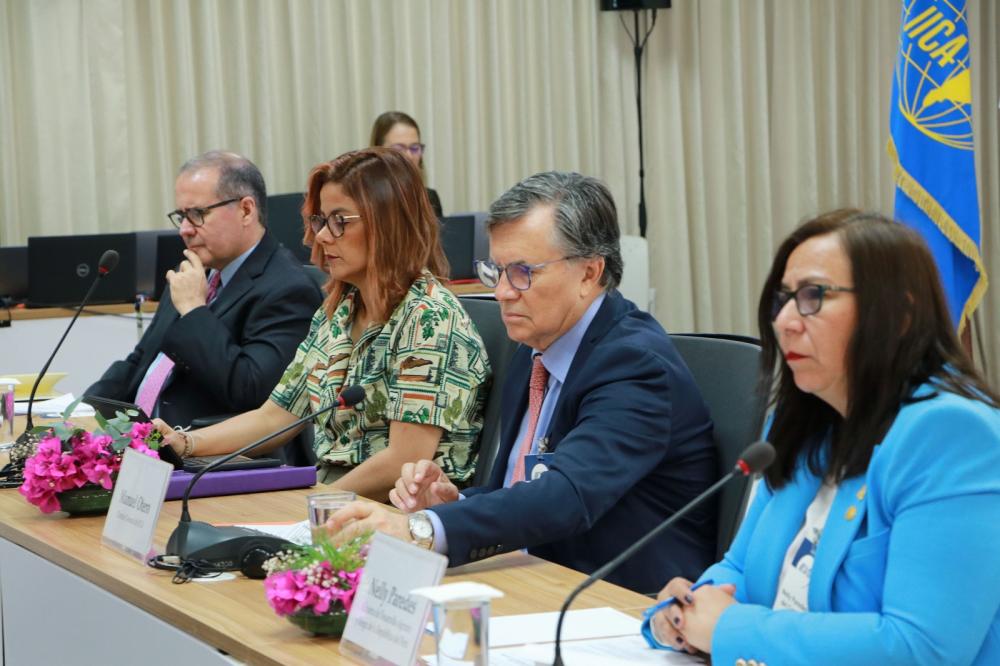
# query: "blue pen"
647, 617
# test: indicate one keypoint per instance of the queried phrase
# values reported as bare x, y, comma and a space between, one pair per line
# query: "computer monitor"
458, 236
284, 220
62, 268
14, 272
169, 254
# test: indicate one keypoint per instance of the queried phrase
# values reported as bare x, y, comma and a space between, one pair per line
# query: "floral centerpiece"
74, 470
314, 586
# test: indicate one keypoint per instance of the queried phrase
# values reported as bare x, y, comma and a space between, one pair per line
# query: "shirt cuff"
440, 538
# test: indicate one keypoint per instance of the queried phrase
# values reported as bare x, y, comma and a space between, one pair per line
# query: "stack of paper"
54, 408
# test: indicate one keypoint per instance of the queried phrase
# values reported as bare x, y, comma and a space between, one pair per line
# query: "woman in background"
387, 325
399, 131
874, 538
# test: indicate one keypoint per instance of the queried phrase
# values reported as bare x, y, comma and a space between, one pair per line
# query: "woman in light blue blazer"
875, 536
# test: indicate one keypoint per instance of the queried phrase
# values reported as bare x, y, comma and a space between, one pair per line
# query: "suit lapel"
243, 278
846, 516
515, 401
790, 504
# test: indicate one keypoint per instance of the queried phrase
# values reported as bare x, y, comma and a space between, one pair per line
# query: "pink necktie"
536, 393
157, 377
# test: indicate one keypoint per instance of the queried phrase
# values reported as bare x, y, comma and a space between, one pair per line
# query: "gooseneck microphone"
231, 548
107, 264
754, 458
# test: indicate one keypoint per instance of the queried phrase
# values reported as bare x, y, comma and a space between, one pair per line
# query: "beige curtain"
758, 114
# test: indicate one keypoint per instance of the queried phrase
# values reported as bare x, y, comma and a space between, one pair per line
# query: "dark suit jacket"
228, 355
633, 444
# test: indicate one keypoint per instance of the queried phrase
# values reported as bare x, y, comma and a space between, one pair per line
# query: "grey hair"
585, 216
238, 177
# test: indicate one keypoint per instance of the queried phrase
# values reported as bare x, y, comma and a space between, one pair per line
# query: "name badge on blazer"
536, 464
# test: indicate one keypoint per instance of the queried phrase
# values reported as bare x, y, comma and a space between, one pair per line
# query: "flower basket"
331, 623
88, 500
74, 470
313, 586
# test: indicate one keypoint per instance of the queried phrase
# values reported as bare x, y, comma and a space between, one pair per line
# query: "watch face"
420, 527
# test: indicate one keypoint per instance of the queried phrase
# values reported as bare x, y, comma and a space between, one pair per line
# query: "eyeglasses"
196, 216
808, 298
518, 273
335, 222
415, 149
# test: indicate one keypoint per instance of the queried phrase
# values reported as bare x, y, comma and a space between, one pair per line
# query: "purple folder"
238, 481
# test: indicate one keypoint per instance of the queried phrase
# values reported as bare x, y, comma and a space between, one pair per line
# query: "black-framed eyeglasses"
196, 216
415, 149
808, 298
335, 222
518, 273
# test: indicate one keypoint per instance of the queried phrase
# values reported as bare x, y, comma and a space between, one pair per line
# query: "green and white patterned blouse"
426, 364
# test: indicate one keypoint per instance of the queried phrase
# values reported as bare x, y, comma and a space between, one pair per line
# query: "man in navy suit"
604, 432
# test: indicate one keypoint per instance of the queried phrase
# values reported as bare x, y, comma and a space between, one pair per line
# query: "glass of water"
322, 506
6, 412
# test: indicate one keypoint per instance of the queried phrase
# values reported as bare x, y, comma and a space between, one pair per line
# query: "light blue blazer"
907, 570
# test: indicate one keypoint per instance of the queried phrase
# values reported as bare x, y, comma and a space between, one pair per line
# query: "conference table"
66, 598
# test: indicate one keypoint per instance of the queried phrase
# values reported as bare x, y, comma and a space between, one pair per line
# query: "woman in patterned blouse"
388, 324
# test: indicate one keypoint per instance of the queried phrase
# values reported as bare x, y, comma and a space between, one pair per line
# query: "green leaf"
69, 410
101, 421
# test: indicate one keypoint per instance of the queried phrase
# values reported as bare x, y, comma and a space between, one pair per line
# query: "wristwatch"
421, 530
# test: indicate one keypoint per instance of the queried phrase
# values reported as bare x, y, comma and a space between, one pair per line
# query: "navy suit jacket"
633, 443
230, 354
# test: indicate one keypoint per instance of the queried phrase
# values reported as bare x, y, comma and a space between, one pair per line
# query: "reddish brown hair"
403, 232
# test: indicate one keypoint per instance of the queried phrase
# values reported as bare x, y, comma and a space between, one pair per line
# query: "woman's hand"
701, 612
666, 624
172, 438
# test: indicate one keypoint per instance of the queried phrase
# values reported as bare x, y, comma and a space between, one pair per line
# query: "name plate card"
136, 503
386, 621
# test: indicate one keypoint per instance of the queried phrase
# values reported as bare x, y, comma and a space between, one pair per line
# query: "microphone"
754, 458
107, 264
232, 548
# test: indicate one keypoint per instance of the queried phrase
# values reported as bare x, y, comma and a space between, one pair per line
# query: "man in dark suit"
219, 342
600, 414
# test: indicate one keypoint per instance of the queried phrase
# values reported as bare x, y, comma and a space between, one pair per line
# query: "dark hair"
585, 215
385, 122
403, 233
238, 177
903, 338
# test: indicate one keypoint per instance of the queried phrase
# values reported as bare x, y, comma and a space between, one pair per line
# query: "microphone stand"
25, 443
228, 547
742, 468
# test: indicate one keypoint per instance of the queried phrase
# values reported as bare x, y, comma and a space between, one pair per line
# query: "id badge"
536, 464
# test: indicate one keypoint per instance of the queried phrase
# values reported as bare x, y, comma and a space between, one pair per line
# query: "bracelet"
188, 441
188, 445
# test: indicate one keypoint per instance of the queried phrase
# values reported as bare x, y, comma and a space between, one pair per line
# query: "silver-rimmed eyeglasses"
518, 273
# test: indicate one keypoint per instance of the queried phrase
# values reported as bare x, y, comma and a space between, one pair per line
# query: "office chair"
725, 369
284, 220
485, 314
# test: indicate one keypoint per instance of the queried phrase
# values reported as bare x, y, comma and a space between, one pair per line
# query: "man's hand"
422, 485
359, 517
188, 286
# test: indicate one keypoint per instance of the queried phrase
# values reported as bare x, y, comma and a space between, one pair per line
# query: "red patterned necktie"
213, 287
536, 393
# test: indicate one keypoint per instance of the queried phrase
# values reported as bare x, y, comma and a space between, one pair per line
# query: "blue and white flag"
931, 146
